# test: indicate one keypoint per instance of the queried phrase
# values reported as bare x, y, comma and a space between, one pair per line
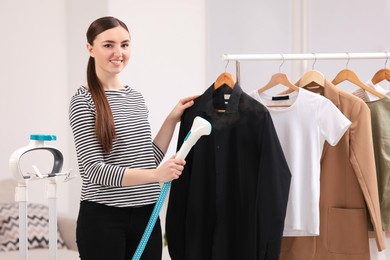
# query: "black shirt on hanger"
230, 202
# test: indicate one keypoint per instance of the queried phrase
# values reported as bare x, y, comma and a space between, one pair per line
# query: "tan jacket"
349, 191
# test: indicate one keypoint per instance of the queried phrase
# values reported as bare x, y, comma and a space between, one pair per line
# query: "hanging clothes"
302, 128
230, 202
348, 190
380, 122
367, 96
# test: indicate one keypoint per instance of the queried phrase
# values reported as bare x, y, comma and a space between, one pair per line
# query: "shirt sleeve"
89, 151
332, 123
363, 162
158, 154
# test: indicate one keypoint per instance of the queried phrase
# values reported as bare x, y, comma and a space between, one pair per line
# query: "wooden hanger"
279, 79
347, 74
227, 79
380, 75
224, 78
312, 77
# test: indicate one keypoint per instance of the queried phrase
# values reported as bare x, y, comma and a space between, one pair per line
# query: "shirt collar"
206, 100
331, 92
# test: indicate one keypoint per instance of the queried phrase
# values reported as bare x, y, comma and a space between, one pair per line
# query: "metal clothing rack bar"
303, 56
306, 56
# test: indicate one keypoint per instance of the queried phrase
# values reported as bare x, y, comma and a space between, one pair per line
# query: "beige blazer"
349, 191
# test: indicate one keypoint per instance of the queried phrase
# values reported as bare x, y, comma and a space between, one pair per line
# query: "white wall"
337, 27
33, 76
278, 26
248, 27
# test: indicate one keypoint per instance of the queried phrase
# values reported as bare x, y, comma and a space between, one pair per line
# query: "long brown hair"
104, 124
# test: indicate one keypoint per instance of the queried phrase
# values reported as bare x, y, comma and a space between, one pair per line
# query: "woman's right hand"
170, 170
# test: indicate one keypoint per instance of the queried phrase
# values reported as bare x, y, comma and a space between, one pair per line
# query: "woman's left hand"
182, 105
164, 135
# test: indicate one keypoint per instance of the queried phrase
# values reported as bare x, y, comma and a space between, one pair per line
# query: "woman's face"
111, 50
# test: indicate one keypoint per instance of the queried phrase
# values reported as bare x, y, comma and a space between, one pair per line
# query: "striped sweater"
102, 172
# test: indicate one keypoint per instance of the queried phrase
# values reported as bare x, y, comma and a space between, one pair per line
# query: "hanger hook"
315, 60
387, 59
280, 66
227, 63
349, 57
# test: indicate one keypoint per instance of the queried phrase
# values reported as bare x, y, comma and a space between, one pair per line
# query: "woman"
116, 155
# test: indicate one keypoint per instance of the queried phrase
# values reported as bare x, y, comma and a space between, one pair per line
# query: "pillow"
37, 227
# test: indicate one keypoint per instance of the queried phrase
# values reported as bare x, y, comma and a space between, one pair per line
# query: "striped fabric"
102, 173
37, 227
361, 93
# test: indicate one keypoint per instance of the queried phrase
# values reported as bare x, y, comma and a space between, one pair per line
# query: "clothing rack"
304, 56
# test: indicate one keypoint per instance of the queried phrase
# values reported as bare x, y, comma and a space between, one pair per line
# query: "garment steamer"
199, 128
37, 143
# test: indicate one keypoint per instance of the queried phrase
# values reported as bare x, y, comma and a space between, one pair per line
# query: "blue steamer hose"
199, 128
152, 221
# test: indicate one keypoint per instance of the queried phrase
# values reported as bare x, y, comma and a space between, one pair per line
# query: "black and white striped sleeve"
89, 150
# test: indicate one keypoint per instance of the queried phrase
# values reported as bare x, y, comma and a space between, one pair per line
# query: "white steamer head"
200, 127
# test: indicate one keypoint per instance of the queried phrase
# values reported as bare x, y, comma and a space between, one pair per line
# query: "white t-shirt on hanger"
303, 127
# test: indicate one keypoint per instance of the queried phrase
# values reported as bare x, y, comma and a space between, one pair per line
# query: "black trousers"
112, 233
